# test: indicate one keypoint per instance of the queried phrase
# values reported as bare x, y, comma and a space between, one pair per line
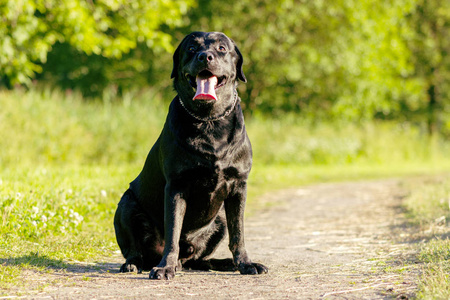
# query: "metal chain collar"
211, 118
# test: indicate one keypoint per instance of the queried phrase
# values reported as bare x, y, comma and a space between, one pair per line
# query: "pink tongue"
205, 88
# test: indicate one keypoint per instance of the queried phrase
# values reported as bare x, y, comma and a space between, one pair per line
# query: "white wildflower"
78, 217
35, 211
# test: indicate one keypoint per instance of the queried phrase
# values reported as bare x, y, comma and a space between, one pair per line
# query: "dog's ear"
176, 61
240, 62
176, 56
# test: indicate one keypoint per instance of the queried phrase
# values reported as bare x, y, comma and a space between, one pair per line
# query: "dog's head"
206, 67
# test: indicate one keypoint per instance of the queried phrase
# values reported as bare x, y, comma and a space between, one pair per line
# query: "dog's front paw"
253, 268
162, 273
126, 268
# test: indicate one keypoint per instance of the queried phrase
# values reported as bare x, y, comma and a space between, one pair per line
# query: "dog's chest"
207, 190
209, 181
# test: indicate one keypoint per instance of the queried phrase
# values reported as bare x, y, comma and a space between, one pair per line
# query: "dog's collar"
210, 119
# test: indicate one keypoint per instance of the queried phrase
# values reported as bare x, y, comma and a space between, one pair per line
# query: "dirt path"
328, 241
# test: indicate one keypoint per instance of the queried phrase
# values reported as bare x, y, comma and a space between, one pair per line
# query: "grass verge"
428, 208
54, 216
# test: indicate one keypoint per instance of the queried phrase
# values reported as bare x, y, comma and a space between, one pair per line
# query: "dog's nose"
205, 56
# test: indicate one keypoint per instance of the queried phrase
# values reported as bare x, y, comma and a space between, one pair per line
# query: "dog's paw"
127, 268
253, 268
165, 273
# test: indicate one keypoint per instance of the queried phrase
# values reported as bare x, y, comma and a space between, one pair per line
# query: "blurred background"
329, 82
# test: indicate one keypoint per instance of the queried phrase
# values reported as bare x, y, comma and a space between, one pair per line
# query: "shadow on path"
43, 261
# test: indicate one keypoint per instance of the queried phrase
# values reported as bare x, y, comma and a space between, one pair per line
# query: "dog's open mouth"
205, 84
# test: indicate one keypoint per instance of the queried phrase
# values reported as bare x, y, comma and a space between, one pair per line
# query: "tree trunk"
432, 107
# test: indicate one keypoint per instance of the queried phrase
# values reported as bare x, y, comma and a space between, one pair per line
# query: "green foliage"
108, 28
429, 44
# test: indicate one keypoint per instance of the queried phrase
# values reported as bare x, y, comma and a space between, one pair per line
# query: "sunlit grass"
428, 206
429, 202
50, 127
56, 215
295, 141
435, 279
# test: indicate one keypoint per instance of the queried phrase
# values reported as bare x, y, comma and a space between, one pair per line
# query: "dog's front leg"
174, 210
234, 208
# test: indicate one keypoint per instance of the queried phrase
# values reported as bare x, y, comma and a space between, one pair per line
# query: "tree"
108, 28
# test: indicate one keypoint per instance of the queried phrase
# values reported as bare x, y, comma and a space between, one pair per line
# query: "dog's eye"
192, 48
222, 48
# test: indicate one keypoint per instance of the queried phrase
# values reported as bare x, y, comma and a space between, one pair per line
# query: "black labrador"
194, 181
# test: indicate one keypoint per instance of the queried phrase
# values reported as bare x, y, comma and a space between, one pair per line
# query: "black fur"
193, 184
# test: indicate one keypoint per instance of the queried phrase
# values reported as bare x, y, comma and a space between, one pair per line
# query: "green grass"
428, 207
65, 163
429, 203
50, 127
54, 216
435, 278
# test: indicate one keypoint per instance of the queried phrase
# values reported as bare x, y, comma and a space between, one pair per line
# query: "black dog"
193, 184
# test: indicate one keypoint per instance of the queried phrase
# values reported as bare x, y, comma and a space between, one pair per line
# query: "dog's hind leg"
126, 237
136, 236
